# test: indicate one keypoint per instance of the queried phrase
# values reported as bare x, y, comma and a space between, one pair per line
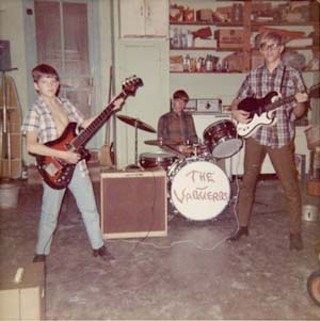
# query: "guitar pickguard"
246, 130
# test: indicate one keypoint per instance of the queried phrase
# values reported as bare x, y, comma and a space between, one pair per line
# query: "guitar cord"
234, 202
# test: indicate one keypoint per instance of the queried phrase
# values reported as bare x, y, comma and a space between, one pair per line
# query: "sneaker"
296, 242
103, 253
39, 258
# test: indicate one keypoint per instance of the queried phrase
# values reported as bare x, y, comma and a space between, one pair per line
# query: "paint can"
310, 213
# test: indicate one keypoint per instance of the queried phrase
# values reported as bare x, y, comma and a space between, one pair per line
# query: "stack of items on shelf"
233, 13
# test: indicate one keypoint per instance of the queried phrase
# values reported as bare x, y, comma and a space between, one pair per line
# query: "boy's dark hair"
44, 70
181, 94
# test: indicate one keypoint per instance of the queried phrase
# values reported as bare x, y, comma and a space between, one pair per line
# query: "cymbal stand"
136, 142
136, 165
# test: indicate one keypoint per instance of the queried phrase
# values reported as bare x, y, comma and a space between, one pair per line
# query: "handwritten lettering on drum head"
200, 190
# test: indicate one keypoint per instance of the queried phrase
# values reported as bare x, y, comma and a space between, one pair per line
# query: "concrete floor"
192, 274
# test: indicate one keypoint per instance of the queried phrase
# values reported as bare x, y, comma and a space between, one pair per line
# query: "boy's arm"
116, 105
34, 147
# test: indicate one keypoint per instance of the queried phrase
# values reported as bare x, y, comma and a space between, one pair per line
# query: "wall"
12, 29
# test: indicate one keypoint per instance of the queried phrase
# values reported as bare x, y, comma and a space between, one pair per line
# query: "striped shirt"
258, 84
39, 119
177, 128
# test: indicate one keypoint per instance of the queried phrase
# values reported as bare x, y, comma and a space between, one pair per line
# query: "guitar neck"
95, 125
279, 103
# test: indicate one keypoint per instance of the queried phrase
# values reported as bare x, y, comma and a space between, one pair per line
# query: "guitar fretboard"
96, 124
279, 103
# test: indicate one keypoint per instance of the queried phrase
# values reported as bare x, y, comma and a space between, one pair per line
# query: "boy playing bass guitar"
47, 120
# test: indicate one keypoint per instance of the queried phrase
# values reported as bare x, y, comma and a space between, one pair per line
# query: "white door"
147, 59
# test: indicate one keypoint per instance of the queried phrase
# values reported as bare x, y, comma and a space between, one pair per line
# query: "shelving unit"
248, 26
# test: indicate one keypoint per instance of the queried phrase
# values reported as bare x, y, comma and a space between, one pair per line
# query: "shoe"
39, 258
295, 241
242, 230
103, 253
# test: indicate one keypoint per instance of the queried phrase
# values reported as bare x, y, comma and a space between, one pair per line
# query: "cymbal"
136, 123
160, 142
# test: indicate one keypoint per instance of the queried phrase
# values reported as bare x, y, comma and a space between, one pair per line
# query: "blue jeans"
82, 189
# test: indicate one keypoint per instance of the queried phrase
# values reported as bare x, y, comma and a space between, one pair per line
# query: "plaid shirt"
258, 84
39, 119
180, 129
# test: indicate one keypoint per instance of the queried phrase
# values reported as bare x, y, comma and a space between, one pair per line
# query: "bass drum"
199, 190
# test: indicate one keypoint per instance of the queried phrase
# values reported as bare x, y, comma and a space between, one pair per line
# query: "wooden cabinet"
143, 18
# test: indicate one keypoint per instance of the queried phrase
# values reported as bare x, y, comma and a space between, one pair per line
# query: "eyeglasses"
266, 47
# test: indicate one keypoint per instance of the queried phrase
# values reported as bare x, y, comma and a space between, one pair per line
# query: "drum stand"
136, 165
136, 123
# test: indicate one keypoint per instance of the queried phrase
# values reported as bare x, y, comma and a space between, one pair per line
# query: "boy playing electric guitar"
277, 139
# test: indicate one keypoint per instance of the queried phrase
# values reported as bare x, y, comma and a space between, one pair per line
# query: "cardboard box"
22, 298
229, 38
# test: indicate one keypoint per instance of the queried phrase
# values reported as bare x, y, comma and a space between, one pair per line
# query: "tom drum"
221, 139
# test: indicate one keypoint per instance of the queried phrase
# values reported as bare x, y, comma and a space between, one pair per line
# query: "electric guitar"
57, 173
262, 111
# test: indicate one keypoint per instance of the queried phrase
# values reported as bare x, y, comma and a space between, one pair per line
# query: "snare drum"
199, 189
160, 159
221, 139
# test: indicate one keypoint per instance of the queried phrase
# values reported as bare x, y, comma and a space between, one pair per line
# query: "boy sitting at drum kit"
176, 128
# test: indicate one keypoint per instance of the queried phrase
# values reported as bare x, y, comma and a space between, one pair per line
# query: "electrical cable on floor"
191, 242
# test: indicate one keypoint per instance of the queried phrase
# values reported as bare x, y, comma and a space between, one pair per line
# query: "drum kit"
198, 188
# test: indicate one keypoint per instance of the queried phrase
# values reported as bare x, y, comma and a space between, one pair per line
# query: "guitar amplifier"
133, 204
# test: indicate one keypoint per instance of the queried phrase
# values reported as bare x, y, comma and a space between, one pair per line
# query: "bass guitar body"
56, 172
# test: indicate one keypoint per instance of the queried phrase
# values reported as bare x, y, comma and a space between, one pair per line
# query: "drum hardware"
137, 124
222, 139
169, 144
160, 142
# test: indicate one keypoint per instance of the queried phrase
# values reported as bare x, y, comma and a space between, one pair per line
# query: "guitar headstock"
131, 84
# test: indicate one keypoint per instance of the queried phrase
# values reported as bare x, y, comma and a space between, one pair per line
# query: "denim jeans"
82, 189
284, 164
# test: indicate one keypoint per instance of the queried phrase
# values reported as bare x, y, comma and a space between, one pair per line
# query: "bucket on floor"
310, 213
9, 193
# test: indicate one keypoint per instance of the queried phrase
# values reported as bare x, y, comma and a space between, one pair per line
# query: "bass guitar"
262, 111
56, 172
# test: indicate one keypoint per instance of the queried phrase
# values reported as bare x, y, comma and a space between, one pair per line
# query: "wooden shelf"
207, 48
205, 72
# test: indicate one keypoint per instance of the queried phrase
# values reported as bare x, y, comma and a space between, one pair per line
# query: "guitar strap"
282, 80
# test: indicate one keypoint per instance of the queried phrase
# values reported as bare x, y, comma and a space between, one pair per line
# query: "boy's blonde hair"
270, 35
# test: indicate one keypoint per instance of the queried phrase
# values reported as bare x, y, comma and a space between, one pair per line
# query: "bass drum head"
200, 190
